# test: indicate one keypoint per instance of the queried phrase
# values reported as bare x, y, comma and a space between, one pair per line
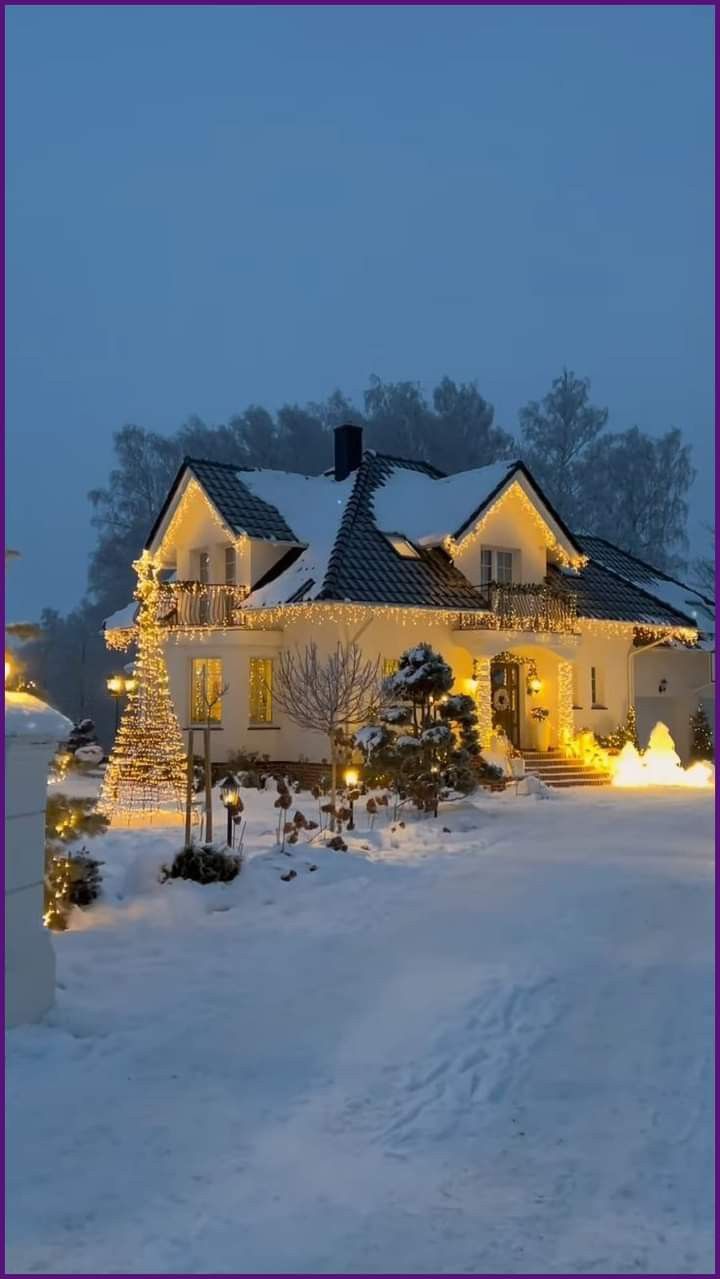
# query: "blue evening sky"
212, 206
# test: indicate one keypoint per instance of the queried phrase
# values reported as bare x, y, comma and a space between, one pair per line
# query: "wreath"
501, 699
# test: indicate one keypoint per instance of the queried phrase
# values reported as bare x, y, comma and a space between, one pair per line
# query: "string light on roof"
516, 492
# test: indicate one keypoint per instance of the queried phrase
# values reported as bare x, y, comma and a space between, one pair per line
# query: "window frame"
216, 716
493, 552
404, 540
231, 551
597, 691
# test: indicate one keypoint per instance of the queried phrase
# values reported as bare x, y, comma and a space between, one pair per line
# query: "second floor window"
206, 682
261, 677
203, 566
230, 566
495, 566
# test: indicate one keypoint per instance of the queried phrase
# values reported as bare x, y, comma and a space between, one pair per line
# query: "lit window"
206, 684
402, 546
261, 678
389, 666
230, 565
503, 570
486, 566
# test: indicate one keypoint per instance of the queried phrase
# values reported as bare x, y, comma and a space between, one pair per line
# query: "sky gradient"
208, 207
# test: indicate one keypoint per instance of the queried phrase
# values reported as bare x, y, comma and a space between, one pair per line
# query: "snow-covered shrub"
252, 769
82, 747
426, 745
203, 864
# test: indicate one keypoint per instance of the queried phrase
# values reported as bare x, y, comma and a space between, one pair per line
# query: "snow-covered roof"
336, 548
427, 509
681, 598
122, 619
314, 505
26, 716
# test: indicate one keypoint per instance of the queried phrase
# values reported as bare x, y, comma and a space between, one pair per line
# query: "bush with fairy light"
72, 875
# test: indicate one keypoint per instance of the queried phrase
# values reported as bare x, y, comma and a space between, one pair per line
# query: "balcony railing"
515, 607
195, 604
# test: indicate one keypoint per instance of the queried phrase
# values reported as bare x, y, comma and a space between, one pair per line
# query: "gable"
452, 511
189, 518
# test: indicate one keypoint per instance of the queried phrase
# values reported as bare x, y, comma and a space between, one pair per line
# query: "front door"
505, 683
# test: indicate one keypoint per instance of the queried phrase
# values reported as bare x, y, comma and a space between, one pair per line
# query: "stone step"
572, 779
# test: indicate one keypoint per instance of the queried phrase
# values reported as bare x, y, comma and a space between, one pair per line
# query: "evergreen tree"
701, 738
426, 743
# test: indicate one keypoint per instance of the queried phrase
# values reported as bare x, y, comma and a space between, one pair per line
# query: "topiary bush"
426, 745
203, 864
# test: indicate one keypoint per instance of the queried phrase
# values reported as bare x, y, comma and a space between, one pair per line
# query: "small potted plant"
540, 716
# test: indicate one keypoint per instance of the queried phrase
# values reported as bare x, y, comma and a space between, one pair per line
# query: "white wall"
32, 732
234, 648
387, 637
686, 675
609, 654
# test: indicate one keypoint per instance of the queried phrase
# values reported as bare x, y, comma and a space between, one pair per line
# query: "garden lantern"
230, 796
351, 778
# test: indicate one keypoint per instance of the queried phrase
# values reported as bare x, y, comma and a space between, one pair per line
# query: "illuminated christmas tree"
146, 772
701, 738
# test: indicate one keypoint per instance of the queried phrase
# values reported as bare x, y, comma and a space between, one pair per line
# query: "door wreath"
501, 699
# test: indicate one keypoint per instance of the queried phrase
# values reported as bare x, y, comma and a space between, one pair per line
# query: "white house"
391, 552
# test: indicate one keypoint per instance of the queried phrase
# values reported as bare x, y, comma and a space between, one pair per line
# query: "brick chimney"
348, 450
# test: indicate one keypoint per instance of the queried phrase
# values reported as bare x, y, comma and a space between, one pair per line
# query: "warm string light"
566, 717
642, 632
194, 494
146, 772
515, 492
483, 699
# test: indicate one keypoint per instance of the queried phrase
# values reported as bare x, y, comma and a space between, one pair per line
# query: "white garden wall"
32, 732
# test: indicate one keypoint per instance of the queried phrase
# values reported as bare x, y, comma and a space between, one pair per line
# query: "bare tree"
210, 698
328, 695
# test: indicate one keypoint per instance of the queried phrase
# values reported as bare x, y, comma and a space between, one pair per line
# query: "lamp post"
351, 780
119, 686
116, 687
230, 796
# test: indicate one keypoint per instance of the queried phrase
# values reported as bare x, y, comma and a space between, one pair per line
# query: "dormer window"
402, 546
495, 566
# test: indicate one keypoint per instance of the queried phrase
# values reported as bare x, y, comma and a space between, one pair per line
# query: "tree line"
628, 486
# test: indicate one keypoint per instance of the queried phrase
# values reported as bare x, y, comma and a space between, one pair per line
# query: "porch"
523, 685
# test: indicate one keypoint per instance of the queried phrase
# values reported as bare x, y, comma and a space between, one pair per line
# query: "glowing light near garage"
659, 765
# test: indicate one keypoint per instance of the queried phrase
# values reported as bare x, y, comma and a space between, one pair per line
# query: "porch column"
566, 719
483, 695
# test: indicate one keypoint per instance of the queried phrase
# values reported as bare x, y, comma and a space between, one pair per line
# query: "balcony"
516, 607
187, 605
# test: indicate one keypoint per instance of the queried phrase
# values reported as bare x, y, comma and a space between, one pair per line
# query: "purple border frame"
378, 4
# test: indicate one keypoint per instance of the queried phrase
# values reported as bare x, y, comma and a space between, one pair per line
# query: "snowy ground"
482, 1050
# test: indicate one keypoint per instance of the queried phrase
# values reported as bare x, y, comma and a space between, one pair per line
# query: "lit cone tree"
147, 769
